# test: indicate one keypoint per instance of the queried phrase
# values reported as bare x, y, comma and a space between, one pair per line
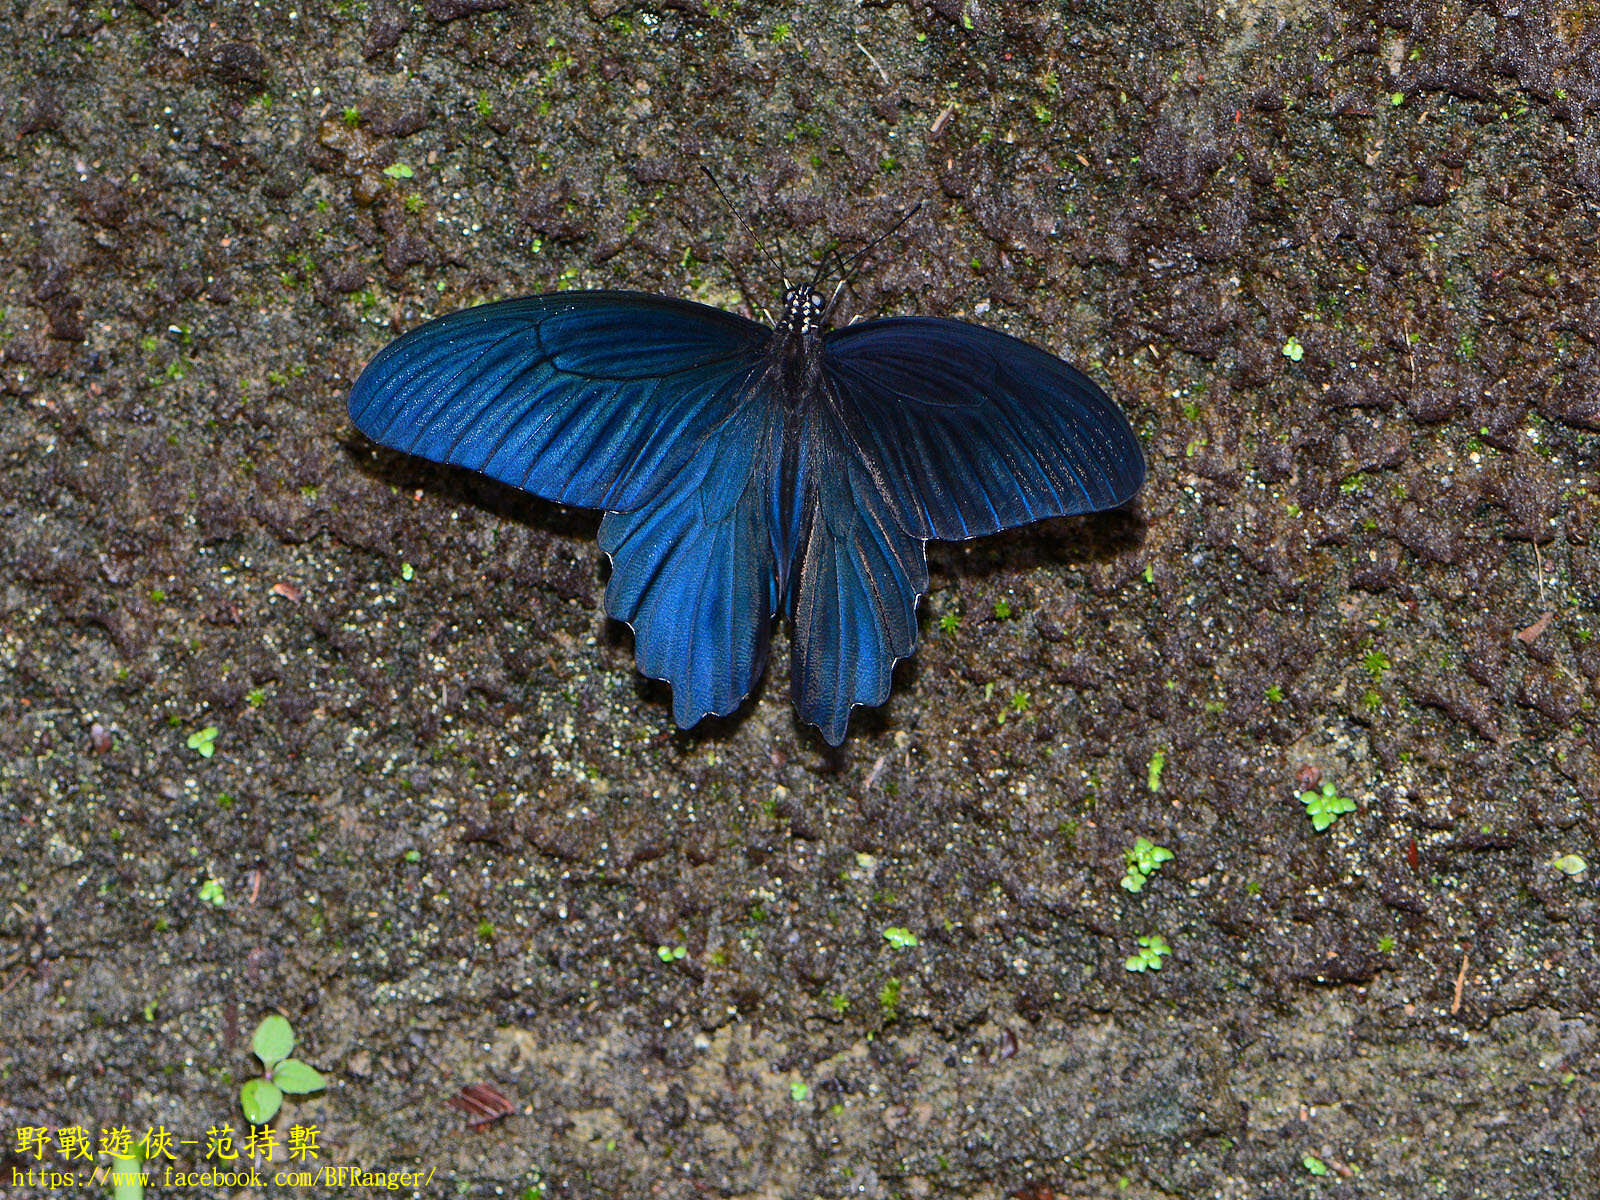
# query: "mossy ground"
452, 827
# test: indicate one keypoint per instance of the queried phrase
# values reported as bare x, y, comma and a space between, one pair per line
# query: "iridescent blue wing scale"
968, 431
641, 405
587, 398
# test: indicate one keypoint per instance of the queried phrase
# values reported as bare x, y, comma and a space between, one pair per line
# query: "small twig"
1461, 982
484, 1102
876, 63
872, 775
940, 122
12, 982
1538, 568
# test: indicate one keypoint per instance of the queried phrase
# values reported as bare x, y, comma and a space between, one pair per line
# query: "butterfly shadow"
1060, 542
409, 473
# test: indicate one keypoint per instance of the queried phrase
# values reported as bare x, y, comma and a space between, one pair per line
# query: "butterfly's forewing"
692, 570
970, 431
853, 597
587, 398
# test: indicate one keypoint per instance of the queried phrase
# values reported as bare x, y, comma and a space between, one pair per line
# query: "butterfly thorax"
802, 311
795, 360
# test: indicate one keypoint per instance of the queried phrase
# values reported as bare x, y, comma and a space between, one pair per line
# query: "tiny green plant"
399, 171
1325, 806
128, 1175
281, 1076
1152, 951
1314, 1164
889, 999
211, 893
1571, 865
1143, 861
1002, 610
899, 937
1158, 763
669, 954
799, 1091
949, 622
204, 741
1293, 350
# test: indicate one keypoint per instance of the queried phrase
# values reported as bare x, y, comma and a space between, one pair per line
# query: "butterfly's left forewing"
587, 398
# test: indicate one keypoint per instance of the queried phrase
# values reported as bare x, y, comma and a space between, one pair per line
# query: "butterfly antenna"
777, 261
849, 272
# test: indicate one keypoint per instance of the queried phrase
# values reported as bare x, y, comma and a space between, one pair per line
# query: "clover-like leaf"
260, 1099
273, 1041
297, 1078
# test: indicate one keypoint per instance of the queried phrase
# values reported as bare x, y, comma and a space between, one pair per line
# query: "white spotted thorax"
802, 310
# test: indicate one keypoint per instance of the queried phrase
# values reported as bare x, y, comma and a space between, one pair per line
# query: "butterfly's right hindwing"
594, 399
854, 591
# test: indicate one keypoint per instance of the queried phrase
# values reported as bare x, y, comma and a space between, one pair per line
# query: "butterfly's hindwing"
969, 431
587, 398
853, 602
692, 569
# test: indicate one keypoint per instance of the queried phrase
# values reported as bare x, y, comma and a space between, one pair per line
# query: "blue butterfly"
749, 472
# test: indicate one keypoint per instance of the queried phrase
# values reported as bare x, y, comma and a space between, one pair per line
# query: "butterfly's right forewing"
970, 431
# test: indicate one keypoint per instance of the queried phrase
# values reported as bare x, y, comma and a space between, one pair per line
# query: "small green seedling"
1325, 806
1314, 1164
407, 572
211, 893
1571, 865
899, 937
799, 1091
672, 953
1293, 350
399, 171
1143, 861
127, 1171
1152, 950
204, 741
261, 1098
1158, 763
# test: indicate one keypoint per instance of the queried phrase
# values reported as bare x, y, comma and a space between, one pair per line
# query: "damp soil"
1336, 264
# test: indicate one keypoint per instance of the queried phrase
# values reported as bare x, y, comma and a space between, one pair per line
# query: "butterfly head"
803, 309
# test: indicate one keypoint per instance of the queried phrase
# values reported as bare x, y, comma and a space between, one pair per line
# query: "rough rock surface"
1336, 263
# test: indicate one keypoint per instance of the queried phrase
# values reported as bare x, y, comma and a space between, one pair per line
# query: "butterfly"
749, 473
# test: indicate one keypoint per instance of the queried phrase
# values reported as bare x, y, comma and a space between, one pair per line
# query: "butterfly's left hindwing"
588, 398
692, 570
